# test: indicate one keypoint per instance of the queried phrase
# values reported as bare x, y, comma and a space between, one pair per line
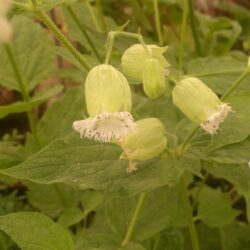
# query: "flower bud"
153, 78
6, 31
145, 142
200, 104
108, 100
133, 59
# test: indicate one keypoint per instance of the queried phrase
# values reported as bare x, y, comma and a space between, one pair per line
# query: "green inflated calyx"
109, 101
200, 104
107, 90
133, 59
145, 142
153, 78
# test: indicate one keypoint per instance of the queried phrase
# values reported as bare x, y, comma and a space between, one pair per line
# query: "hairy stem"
133, 220
194, 28
189, 215
84, 32
158, 22
24, 92
59, 35
183, 32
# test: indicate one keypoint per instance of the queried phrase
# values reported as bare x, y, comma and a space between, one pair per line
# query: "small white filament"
106, 126
211, 125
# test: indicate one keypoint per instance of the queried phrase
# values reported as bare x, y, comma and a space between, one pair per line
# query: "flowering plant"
124, 135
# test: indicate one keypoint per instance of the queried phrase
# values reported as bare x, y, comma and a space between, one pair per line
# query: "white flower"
200, 104
108, 102
106, 126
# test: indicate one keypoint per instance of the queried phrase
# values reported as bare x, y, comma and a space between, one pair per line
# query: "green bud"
107, 90
200, 104
133, 59
108, 100
153, 78
145, 142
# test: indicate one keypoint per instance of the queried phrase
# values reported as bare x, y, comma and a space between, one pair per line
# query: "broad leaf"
34, 62
35, 231
88, 164
19, 107
215, 208
219, 73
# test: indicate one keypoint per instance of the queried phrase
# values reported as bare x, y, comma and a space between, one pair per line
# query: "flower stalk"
134, 219
24, 92
59, 35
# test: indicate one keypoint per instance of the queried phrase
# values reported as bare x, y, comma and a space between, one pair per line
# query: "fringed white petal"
211, 125
106, 126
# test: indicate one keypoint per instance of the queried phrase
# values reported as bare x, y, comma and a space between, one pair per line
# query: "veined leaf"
34, 61
35, 231
19, 107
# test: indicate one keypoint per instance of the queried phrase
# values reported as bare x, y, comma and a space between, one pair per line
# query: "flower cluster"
109, 103
147, 65
6, 31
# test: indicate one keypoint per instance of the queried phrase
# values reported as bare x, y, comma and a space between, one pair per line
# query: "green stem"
84, 32
158, 22
93, 16
194, 28
24, 92
183, 32
200, 187
59, 35
113, 34
101, 15
189, 215
133, 220
235, 85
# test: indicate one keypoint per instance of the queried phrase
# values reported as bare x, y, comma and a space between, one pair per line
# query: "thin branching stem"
183, 32
24, 92
194, 28
158, 22
134, 219
189, 215
59, 35
84, 32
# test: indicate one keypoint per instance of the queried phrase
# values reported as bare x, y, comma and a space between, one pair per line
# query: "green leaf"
71, 216
232, 237
132, 246
161, 108
58, 119
19, 107
11, 155
215, 208
233, 154
35, 231
52, 199
91, 200
219, 34
237, 174
162, 208
34, 61
219, 73
89, 164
